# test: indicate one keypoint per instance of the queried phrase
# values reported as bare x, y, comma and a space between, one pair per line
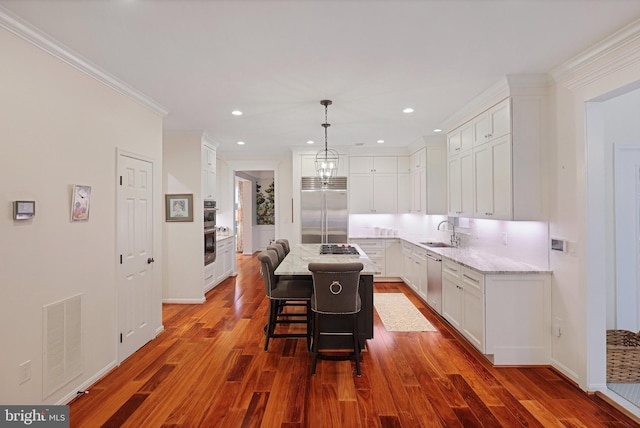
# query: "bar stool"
335, 294
278, 248
279, 291
285, 244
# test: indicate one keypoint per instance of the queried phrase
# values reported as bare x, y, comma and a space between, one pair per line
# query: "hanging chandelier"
327, 159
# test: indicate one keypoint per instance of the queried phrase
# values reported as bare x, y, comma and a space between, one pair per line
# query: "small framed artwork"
179, 207
80, 203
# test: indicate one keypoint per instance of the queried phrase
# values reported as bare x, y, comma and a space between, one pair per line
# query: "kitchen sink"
436, 244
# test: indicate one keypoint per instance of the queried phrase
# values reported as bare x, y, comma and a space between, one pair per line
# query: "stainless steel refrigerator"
323, 210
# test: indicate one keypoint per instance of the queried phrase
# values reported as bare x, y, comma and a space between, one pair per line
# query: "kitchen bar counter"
297, 262
301, 255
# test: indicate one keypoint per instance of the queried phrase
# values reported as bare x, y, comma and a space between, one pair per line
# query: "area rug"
398, 313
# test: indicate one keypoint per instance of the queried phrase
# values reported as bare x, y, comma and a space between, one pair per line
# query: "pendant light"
327, 159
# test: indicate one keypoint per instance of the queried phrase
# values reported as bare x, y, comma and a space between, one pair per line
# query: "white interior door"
135, 253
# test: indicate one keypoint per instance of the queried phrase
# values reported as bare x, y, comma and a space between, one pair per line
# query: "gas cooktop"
338, 249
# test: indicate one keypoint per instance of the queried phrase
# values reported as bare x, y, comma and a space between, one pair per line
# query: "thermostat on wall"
559, 245
24, 210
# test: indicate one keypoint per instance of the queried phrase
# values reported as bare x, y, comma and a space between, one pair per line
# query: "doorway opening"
613, 140
255, 210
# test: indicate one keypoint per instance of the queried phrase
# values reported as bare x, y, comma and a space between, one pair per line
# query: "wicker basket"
623, 356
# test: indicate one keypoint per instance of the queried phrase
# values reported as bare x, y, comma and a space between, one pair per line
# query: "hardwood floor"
208, 369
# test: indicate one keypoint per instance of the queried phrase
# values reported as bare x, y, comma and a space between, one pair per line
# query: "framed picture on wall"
179, 207
80, 203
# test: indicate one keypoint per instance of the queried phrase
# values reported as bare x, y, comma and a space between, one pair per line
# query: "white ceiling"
275, 60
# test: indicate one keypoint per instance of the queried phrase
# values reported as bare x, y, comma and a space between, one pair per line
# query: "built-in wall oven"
209, 231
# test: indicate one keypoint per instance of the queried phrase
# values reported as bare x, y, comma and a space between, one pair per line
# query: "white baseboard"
86, 384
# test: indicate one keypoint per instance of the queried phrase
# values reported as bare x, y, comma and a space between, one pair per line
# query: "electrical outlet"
505, 239
24, 372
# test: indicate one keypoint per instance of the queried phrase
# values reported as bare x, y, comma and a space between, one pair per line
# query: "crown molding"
38, 38
509, 85
614, 53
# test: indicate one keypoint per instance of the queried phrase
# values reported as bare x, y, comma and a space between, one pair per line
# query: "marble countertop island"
298, 259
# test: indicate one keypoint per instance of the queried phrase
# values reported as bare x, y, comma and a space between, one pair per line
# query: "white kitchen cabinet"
473, 314
373, 164
452, 293
407, 264
208, 160
509, 181
419, 191
308, 166
225, 252
461, 184
436, 179
507, 317
405, 195
429, 180
460, 139
373, 184
463, 301
209, 277
393, 259
419, 159
375, 250
493, 179
420, 271
493, 123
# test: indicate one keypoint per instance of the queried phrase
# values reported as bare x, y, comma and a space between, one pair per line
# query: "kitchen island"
297, 263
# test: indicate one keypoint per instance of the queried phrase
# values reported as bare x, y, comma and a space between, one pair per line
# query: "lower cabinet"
223, 267
375, 250
507, 317
419, 256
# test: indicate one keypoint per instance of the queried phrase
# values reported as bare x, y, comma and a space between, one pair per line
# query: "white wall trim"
512, 84
583, 69
31, 34
86, 384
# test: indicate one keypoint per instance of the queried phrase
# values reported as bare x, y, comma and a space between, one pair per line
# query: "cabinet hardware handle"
488, 213
469, 278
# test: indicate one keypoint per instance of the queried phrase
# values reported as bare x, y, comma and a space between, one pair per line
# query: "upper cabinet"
373, 181
428, 179
493, 123
501, 173
208, 172
460, 139
308, 165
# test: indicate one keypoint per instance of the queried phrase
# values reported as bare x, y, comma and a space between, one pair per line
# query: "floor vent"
62, 343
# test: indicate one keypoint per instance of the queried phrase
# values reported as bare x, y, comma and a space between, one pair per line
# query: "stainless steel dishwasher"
434, 281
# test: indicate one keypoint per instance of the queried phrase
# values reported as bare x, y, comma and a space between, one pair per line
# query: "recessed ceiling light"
309, 142
236, 113
408, 110
437, 130
241, 143
380, 141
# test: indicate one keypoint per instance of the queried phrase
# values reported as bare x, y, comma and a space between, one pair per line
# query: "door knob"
150, 260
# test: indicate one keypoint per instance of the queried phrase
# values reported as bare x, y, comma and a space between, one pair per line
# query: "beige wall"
183, 269
60, 127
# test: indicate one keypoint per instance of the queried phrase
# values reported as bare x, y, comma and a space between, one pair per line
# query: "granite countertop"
301, 255
482, 262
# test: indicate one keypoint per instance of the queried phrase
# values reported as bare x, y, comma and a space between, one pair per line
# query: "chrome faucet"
455, 239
